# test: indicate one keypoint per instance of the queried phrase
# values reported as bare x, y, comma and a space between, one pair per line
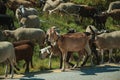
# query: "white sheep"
69, 8
33, 34
113, 5
7, 54
107, 41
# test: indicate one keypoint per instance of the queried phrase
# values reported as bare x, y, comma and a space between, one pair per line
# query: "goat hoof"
62, 70
73, 67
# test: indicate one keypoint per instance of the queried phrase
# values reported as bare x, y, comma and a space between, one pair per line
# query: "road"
106, 72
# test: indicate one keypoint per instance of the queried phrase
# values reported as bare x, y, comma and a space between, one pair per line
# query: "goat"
24, 12
24, 51
87, 11
51, 50
99, 20
79, 41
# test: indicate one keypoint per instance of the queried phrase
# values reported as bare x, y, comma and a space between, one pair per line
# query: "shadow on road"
31, 75
95, 70
32, 79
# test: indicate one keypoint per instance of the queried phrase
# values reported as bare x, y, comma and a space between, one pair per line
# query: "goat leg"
68, 58
85, 60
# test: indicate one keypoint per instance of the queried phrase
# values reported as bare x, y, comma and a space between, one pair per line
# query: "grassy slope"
61, 23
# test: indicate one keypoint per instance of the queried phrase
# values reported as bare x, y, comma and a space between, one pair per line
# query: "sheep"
51, 4
24, 12
31, 21
32, 34
113, 5
68, 8
107, 41
7, 54
75, 9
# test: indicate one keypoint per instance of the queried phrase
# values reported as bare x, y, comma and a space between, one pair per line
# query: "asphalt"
103, 72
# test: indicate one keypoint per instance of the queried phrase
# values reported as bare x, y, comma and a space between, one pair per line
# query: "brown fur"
72, 42
24, 52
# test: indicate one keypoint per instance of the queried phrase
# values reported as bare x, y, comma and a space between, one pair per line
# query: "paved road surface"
106, 72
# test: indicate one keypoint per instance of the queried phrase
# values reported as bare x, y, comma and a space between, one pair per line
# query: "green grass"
63, 23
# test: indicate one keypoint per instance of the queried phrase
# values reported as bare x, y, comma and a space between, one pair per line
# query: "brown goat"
87, 11
24, 51
79, 41
99, 20
14, 4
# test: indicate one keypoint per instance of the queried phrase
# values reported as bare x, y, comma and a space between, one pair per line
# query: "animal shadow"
101, 69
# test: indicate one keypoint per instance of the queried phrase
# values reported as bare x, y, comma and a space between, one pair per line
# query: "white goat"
33, 34
50, 50
7, 55
24, 12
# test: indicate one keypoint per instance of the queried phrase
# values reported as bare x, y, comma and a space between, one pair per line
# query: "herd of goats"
86, 44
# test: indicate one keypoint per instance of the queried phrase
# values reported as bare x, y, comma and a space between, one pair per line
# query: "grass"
63, 23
